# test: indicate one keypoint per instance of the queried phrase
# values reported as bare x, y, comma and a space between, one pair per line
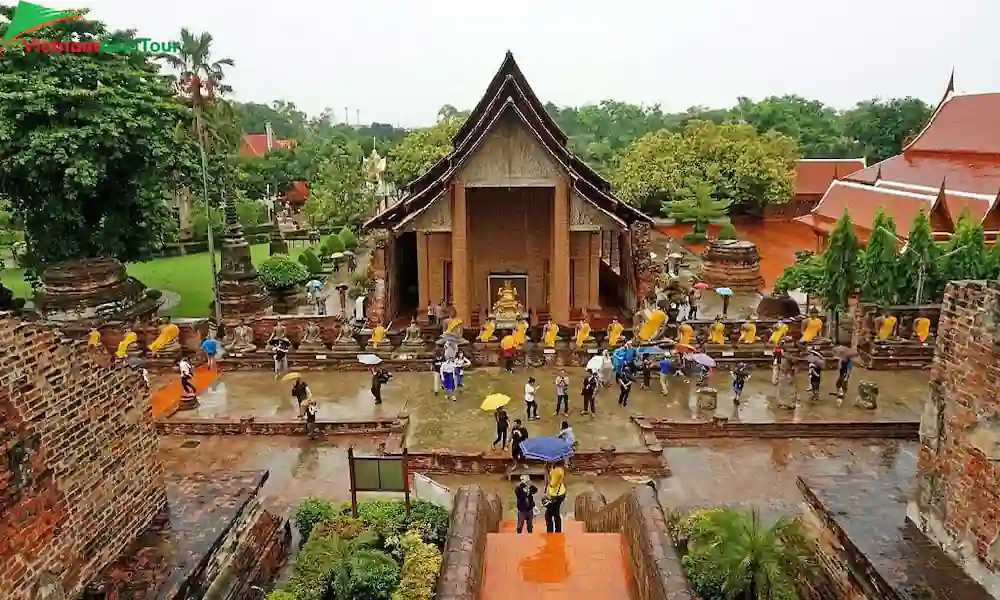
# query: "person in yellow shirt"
555, 493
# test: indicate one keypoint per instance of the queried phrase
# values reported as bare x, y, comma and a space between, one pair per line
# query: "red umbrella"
701, 285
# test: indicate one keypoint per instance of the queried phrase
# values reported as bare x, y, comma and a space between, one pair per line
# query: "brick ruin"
79, 480
958, 502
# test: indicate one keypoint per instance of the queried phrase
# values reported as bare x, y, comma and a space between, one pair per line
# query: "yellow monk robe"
129, 339
748, 333
778, 334
520, 332
684, 334
168, 333
583, 334
885, 331
377, 335
507, 342
487, 332
717, 333
551, 331
615, 333
94, 338
922, 327
812, 329
452, 324
652, 325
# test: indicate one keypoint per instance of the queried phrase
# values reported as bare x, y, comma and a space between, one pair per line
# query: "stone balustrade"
475, 514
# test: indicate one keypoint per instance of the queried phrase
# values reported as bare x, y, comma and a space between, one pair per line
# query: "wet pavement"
436, 422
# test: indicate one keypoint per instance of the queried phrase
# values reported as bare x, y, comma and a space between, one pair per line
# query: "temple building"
510, 221
951, 167
813, 176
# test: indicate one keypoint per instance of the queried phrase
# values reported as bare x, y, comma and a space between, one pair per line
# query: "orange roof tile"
255, 144
814, 175
298, 192
863, 201
963, 123
975, 174
977, 205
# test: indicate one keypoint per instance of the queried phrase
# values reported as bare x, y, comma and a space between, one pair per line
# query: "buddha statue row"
887, 329
241, 339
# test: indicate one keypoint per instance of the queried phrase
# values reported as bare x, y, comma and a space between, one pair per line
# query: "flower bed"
381, 555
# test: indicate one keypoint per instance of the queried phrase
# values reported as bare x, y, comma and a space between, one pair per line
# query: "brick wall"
79, 479
475, 514
958, 502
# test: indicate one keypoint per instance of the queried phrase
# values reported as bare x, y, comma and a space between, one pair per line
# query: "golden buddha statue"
652, 326
166, 341
811, 327
453, 326
94, 337
582, 334
550, 334
922, 328
520, 333
128, 345
615, 330
507, 306
685, 333
486, 335
378, 336
748, 332
885, 327
717, 332
778, 333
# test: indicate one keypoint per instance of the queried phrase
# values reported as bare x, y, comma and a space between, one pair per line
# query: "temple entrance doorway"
407, 283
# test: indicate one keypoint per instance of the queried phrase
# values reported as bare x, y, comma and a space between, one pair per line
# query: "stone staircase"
572, 564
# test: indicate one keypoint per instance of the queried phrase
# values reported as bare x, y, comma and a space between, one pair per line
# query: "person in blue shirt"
666, 370
740, 376
210, 346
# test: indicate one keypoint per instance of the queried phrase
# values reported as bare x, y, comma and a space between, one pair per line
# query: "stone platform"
214, 539
896, 355
319, 362
867, 547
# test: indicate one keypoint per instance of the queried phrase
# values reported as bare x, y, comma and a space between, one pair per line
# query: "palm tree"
756, 561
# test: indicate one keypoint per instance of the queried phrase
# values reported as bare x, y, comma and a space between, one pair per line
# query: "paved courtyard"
438, 423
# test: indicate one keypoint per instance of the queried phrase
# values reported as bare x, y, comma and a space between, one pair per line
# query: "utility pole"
208, 216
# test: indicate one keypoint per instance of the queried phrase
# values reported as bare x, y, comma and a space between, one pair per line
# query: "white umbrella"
337, 255
369, 359
595, 363
348, 253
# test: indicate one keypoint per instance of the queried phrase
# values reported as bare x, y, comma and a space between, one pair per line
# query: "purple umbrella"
702, 359
546, 448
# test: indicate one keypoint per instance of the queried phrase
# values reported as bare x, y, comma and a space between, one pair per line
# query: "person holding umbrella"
815, 360
844, 367
740, 376
726, 294
496, 403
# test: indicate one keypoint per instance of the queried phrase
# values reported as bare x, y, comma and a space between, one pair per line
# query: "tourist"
555, 490
431, 315
460, 363
844, 374
145, 376
562, 393
740, 376
380, 377
778, 355
448, 379
352, 263
187, 372
590, 384
566, 434
815, 371
624, 386
311, 410
524, 495
280, 351
503, 423
508, 358
607, 375
301, 393
439, 311
210, 346
518, 434
646, 365
530, 400
436, 367
666, 370
693, 297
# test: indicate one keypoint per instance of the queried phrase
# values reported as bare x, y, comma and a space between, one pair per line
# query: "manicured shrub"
385, 518
310, 261
693, 237
421, 565
341, 526
350, 240
331, 244
432, 520
314, 566
281, 595
280, 272
365, 574
727, 232
311, 512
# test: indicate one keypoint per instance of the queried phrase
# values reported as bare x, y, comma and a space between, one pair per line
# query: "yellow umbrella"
495, 401
291, 376
507, 342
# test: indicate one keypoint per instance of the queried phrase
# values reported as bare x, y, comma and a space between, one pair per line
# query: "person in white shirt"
187, 372
566, 433
530, 401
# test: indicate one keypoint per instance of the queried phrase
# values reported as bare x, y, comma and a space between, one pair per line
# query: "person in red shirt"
508, 359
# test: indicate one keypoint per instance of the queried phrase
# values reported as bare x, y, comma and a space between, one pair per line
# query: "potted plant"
284, 278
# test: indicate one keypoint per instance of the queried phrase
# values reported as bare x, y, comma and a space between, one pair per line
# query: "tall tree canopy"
879, 261
816, 127
917, 259
421, 149
881, 127
743, 167
840, 265
337, 195
86, 147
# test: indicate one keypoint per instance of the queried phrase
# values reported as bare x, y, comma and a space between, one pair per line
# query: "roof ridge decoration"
993, 212
949, 93
940, 208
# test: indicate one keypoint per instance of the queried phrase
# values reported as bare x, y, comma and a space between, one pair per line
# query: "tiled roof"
507, 94
978, 174
813, 176
298, 192
962, 124
977, 205
255, 144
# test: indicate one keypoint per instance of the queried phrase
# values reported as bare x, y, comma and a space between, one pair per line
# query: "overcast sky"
399, 61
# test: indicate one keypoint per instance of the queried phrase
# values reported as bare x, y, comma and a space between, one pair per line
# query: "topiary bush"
350, 240
341, 526
421, 565
280, 272
311, 512
727, 232
310, 261
693, 237
332, 244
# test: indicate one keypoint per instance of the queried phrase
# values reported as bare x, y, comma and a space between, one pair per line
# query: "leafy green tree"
919, 256
879, 261
881, 127
745, 168
421, 149
287, 121
337, 195
964, 255
347, 236
840, 267
816, 127
87, 149
806, 275
696, 205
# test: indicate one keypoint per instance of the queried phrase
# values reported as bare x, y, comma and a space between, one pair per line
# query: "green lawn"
189, 275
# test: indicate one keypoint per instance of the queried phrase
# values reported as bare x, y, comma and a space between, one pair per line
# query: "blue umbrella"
314, 285
546, 448
724, 291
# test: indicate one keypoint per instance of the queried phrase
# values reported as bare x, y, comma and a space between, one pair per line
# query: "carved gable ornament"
510, 156
435, 218
584, 216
